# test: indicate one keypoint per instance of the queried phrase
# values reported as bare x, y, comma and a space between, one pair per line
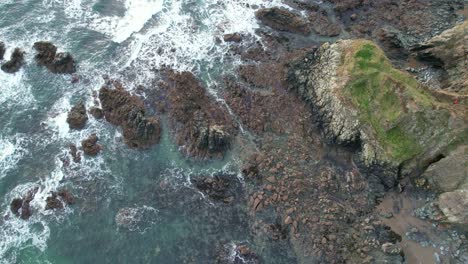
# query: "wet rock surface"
77, 116
220, 187
201, 125
283, 20
90, 145
21, 206
96, 112
231, 253
2, 50
120, 108
61, 62
15, 63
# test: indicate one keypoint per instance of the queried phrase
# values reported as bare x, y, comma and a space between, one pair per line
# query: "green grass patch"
381, 93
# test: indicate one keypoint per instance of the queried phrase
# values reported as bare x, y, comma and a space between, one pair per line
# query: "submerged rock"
52, 202
77, 116
90, 145
2, 50
219, 187
47, 56
15, 63
122, 109
283, 20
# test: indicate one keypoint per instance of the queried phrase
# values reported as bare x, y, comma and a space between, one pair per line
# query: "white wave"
11, 151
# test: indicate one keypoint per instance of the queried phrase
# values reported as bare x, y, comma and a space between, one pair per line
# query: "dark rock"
20, 206
202, 126
47, 56
90, 146
283, 20
96, 112
220, 187
236, 254
77, 116
128, 111
393, 43
66, 196
277, 231
74, 153
2, 50
323, 25
15, 63
52, 202
234, 37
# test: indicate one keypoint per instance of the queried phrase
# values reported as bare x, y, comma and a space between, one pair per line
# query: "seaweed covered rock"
362, 99
47, 56
15, 63
221, 187
283, 20
77, 116
90, 145
448, 50
123, 109
2, 50
200, 124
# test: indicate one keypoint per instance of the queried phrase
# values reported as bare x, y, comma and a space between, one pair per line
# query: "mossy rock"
401, 117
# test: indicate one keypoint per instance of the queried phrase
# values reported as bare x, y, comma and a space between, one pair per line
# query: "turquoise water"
174, 223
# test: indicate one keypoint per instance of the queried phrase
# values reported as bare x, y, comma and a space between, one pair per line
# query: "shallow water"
125, 39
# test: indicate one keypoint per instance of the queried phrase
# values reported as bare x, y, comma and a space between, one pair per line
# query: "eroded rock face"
47, 56
448, 50
128, 111
454, 205
77, 116
15, 63
283, 20
201, 125
90, 145
2, 50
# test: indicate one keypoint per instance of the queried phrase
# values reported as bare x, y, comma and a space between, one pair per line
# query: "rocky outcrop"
2, 50
90, 145
47, 56
454, 205
96, 112
77, 116
56, 200
231, 253
233, 37
202, 126
361, 99
20, 206
15, 63
283, 20
323, 25
448, 50
74, 153
449, 173
128, 111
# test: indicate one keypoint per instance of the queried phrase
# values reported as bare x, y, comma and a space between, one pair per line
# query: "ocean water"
125, 39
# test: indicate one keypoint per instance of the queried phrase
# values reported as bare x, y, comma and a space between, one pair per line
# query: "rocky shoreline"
327, 133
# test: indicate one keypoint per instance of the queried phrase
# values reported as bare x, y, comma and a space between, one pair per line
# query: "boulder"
2, 50
323, 25
47, 56
283, 20
90, 145
15, 63
454, 205
448, 50
77, 116
128, 111
233, 37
